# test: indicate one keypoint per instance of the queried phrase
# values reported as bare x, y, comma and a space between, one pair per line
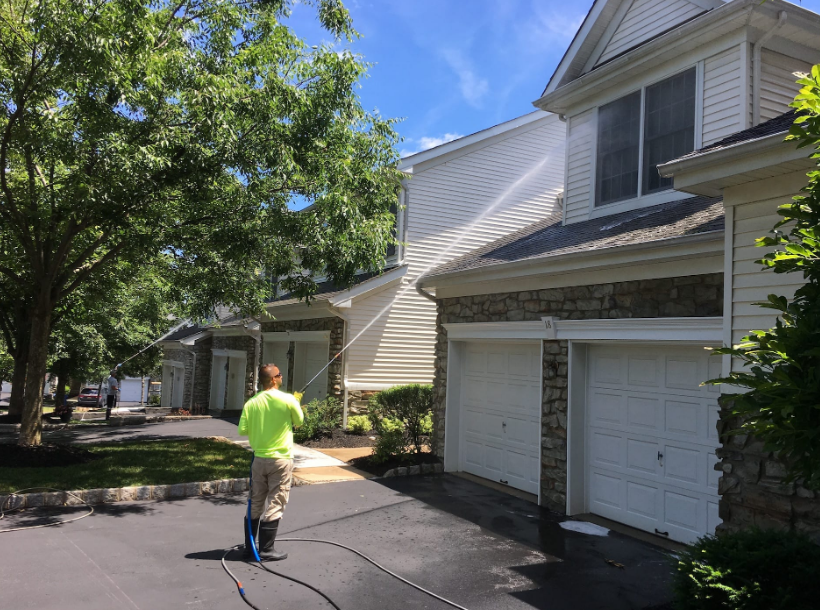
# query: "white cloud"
473, 88
427, 142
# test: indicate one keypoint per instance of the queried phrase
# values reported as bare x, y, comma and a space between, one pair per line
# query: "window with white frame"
638, 132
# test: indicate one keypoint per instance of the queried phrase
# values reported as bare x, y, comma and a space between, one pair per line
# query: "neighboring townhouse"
457, 197
571, 353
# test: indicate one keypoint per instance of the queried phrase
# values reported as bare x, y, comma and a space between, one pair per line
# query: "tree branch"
83, 274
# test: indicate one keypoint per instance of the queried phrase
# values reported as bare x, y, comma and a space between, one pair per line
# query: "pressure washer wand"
324, 368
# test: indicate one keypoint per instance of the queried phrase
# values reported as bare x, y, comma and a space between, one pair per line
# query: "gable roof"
470, 142
184, 333
612, 21
549, 238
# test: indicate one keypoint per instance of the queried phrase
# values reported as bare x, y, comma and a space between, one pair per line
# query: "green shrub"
154, 399
410, 404
321, 418
750, 570
427, 424
358, 424
392, 443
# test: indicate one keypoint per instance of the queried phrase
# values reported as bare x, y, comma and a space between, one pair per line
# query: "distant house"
458, 196
570, 353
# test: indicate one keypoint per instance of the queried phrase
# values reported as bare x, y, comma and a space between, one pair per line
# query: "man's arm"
243, 424
297, 415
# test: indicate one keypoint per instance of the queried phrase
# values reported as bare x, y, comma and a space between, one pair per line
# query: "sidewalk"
328, 465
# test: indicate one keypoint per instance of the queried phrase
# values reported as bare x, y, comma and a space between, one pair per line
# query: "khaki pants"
271, 483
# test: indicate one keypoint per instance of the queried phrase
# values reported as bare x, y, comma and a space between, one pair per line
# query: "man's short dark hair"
267, 373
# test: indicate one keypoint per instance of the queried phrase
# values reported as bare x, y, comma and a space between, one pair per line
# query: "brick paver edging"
125, 494
406, 471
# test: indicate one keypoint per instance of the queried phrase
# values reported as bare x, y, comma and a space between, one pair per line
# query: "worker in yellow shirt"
268, 419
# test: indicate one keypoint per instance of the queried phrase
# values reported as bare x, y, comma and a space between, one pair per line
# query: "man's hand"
298, 396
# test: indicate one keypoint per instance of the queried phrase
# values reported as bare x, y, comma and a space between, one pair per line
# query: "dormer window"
638, 132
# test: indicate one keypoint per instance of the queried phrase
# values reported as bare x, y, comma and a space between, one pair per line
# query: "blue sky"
453, 67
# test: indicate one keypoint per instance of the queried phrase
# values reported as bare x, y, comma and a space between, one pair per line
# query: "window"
627, 166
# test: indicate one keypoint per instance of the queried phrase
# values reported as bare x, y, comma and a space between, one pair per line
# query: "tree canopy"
173, 135
782, 375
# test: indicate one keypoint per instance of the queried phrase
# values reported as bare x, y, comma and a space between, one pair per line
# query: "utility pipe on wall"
757, 48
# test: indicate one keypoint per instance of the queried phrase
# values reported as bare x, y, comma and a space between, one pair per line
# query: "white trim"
691, 330
497, 331
230, 331
365, 385
606, 37
302, 336
381, 281
699, 89
728, 277
409, 164
744, 86
173, 363
230, 353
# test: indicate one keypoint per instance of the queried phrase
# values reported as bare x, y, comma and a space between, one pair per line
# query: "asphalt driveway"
481, 548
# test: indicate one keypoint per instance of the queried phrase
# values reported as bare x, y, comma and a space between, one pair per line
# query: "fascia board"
370, 286
557, 100
697, 330
299, 311
661, 250
704, 172
467, 144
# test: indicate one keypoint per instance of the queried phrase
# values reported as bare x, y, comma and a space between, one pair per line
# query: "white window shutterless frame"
636, 132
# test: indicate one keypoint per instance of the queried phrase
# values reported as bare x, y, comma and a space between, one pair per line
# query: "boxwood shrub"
750, 570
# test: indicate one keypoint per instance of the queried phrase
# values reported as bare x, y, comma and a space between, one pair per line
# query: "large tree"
174, 135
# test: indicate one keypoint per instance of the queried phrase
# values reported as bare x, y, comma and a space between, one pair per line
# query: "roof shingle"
549, 238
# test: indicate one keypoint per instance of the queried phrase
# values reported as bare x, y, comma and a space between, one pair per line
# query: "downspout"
345, 339
756, 51
422, 291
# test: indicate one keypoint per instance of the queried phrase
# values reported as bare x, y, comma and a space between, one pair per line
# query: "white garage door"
651, 438
500, 413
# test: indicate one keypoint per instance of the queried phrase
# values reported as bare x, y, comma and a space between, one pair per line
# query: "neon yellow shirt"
268, 420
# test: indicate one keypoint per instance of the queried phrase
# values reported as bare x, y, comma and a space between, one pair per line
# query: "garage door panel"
520, 364
651, 437
606, 407
473, 453
684, 373
475, 362
473, 422
474, 391
522, 431
494, 461
684, 418
683, 511
606, 449
685, 465
606, 490
643, 413
642, 457
642, 499
644, 371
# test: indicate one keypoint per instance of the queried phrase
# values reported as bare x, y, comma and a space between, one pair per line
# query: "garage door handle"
503, 481
657, 531
660, 455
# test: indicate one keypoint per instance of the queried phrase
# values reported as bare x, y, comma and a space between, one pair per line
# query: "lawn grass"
138, 463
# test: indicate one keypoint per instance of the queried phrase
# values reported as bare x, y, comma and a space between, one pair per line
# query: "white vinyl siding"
777, 82
751, 282
722, 95
646, 19
515, 182
580, 147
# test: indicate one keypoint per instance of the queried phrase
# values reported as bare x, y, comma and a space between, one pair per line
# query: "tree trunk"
62, 379
18, 380
32, 424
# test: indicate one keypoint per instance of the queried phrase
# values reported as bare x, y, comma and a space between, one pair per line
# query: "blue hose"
250, 527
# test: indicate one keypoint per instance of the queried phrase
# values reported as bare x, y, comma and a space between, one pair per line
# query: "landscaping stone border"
125, 494
406, 471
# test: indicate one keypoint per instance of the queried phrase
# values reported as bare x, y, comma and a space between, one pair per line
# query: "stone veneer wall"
184, 356
752, 491
202, 375
336, 326
690, 296
244, 343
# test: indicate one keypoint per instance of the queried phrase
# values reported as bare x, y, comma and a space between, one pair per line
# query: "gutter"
710, 157
514, 266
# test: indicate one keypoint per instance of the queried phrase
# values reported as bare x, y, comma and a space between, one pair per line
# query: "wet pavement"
481, 548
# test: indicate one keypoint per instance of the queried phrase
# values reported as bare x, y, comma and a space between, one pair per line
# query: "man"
268, 420
111, 394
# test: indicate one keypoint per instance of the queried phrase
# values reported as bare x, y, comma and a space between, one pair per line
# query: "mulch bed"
342, 440
43, 456
366, 463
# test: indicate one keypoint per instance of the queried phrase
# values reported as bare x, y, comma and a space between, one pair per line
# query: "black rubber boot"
248, 553
267, 536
